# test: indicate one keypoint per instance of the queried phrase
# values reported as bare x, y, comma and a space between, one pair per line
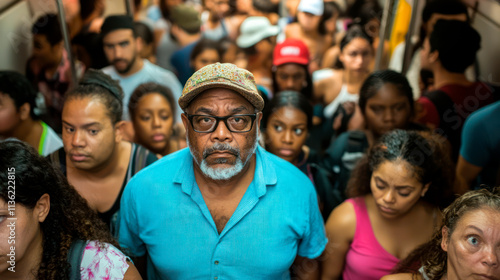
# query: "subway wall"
16, 18
486, 20
15, 36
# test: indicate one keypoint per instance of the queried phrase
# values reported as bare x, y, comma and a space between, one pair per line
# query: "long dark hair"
354, 31
426, 154
331, 9
69, 217
430, 255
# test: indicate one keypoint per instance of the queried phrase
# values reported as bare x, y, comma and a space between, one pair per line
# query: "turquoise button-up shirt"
164, 214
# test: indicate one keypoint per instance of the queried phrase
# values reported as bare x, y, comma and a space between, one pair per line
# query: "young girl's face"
206, 57
357, 55
387, 110
153, 121
286, 133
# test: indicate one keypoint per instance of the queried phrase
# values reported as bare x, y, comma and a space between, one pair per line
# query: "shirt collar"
185, 173
265, 174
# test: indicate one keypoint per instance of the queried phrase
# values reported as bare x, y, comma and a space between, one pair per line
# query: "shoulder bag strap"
75, 255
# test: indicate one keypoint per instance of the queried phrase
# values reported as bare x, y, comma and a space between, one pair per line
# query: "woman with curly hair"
41, 216
465, 247
395, 195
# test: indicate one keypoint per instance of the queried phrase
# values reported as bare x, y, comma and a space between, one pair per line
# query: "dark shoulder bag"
75, 255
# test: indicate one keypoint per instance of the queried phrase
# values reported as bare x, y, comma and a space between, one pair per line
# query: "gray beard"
222, 174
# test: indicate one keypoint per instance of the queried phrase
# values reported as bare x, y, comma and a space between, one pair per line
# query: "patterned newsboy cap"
225, 75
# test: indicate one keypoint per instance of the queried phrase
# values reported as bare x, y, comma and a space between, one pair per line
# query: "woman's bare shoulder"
342, 218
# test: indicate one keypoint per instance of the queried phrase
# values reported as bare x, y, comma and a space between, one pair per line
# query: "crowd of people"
220, 140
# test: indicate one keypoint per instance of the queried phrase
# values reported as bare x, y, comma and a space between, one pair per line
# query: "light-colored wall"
15, 29
114, 7
15, 37
42, 7
5, 3
489, 8
487, 22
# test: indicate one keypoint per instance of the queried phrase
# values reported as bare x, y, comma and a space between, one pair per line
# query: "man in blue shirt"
224, 208
479, 160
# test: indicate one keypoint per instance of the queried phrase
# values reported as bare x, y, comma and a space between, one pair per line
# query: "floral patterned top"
107, 262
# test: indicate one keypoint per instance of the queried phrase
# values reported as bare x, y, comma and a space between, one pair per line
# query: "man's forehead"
118, 34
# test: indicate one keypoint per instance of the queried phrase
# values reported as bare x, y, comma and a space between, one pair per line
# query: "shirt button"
216, 262
215, 278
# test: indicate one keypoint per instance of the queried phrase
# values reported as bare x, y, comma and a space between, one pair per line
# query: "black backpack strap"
356, 142
75, 255
324, 183
141, 158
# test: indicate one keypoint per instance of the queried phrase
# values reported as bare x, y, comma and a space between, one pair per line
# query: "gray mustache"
221, 147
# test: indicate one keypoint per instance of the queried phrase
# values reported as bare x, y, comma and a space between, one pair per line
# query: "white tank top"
343, 97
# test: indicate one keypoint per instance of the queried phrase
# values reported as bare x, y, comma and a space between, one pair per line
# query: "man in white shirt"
122, 51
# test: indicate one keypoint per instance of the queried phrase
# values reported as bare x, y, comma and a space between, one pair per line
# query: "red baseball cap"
291, 51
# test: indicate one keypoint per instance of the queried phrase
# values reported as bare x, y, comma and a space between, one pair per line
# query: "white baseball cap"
254, 29
315, 7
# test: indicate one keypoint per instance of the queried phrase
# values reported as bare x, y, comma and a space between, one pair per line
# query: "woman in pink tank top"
395, 193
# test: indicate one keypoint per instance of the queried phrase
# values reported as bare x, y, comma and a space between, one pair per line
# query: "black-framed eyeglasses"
235, 123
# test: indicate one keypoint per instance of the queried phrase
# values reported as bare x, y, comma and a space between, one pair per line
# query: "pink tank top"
366, 258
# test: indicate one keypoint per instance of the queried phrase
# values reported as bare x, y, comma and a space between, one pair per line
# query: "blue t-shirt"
181, 62
164, 214
148, 73
481, 142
